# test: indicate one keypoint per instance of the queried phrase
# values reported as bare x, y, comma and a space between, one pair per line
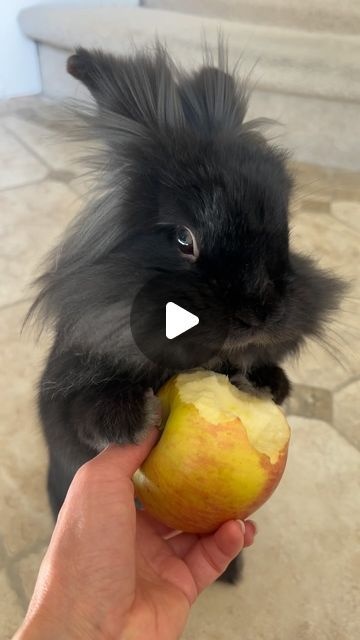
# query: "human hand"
110, 571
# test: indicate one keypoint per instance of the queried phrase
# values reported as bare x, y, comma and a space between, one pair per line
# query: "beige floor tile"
11, 610
328, 241
329, 362
22, 360
347, 212
336, 359
346, 180
315, 187
347, 194
11, 105
28, 569
33, 217
313, 204
48, 115
48, 144
311, 180
17, 165
325, 366
25, 516
347, 414
301, 576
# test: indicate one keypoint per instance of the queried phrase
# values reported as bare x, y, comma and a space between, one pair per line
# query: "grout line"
348, 228
301, 393
50, 177
328, 424
25, 184
345, 384
307, 96
17, 303
54, 141
54, 128
28, 148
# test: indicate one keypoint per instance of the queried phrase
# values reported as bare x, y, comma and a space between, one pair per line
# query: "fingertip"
250, 532
125, 459
253, 526
235, 528
236, 533
242, 525
230, 537
212, 553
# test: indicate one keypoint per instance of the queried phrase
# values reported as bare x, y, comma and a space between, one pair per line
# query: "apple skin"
200, 474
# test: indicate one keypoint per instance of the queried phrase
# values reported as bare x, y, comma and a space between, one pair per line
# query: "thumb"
124, 460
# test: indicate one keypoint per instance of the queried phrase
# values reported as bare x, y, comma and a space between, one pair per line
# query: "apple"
221, 454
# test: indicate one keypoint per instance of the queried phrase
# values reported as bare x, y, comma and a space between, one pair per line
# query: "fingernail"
172, 534
242, 525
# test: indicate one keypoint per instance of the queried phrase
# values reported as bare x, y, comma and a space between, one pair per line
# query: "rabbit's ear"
140, 88
213, 101
85, 66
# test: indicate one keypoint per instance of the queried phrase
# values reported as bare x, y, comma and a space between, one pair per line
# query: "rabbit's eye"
186, 242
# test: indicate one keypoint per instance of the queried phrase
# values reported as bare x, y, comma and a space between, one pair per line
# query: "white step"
287, 60
311, 84
334, 16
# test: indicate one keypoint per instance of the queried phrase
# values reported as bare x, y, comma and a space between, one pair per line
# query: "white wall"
19, 68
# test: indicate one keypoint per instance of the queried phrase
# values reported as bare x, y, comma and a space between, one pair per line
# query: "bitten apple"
220, 456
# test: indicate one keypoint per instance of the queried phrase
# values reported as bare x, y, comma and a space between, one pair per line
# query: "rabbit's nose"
256, 310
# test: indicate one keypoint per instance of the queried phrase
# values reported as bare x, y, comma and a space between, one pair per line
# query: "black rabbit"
184, 184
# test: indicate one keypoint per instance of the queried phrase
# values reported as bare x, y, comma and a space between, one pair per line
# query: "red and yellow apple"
221, 454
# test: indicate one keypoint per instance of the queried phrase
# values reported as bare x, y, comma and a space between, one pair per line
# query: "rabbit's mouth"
233, 342
243, 333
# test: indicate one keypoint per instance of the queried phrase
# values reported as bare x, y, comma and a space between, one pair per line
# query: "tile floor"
301, 577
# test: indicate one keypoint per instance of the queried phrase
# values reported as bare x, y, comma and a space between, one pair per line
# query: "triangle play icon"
178, 320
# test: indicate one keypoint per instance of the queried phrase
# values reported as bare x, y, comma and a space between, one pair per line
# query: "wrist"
38, 628
35, 629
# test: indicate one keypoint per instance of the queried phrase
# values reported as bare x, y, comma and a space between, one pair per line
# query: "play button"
178, 320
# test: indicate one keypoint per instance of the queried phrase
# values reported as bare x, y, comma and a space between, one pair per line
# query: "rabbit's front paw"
271, 379
242, 382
